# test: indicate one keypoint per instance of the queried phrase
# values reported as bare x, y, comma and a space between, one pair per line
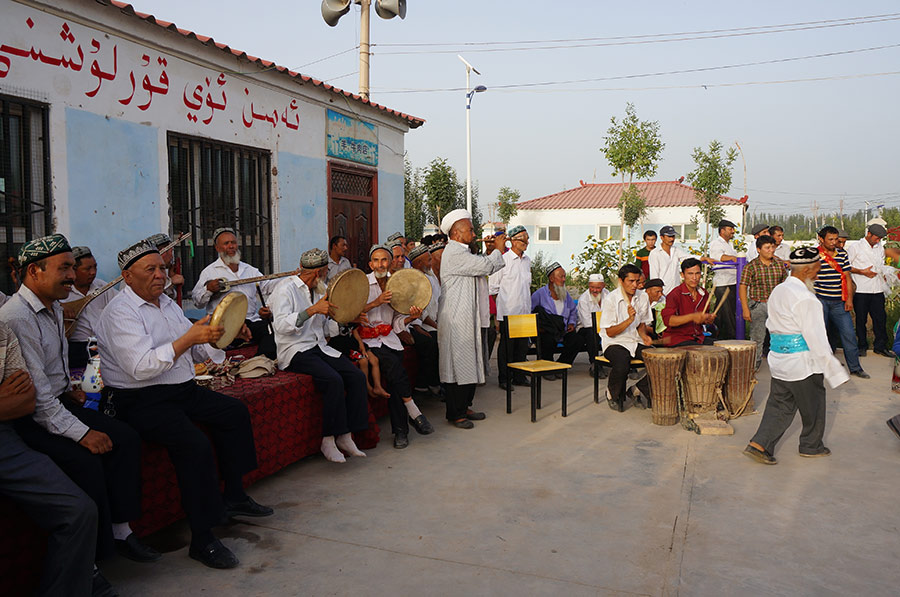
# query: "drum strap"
787, 343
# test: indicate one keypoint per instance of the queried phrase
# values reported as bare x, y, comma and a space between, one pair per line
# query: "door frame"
373, 200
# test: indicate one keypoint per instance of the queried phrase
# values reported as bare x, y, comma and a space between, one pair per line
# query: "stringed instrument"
226, 285
79, 305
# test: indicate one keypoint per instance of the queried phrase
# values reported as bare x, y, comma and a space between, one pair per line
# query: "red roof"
664, 193
127, 9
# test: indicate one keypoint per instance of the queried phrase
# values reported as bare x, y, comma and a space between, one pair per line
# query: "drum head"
409, 287
348, 292
735, 344
230, 313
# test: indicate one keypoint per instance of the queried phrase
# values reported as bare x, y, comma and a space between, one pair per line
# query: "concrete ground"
598, 503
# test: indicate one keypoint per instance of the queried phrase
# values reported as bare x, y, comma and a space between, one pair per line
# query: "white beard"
321, 287
809, 285
231, 259
595, 298
560, 291
380, 275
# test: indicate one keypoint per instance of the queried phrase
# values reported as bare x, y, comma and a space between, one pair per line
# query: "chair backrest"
522, 326
597, 321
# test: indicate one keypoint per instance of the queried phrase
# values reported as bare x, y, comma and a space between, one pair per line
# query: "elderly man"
723, 258
756, 231
424, 330
685, 312
86, 282
624, 333
512, 286
31, 480
559, 317
868, 271
799, 360
843, 237
460, 341
437, 252
758, 280
148, 349
665, 260
337, 256
101, 455
643, 254
161, 240
397, 239
301, 314
208, 291
380, 336
590, 302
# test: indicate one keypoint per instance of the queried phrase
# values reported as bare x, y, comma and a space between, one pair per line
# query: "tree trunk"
622, 228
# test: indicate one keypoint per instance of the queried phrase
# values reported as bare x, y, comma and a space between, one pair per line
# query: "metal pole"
364, 48
468, 144
738, 311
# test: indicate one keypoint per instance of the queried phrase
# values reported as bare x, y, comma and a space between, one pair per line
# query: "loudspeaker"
388, 9
333, 10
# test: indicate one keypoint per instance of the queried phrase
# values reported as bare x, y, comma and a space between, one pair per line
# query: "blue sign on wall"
351, 139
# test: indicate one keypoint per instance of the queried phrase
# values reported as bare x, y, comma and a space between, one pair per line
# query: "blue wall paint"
302, 206
390, 204
113, 171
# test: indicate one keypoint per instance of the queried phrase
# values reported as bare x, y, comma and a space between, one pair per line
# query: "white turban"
452, 218
596, 278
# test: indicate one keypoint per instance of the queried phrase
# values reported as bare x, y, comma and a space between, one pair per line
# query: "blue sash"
787, 343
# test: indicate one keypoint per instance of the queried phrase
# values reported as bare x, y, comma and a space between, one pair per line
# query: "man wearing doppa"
459, 342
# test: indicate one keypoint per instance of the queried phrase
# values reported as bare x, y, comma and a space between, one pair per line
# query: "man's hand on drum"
322, 307
244, 334
213, 286
201, 333
414, 314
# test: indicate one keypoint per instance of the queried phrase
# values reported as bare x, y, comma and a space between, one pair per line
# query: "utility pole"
364, 49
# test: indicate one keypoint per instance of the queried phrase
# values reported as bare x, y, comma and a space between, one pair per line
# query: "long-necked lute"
226, 285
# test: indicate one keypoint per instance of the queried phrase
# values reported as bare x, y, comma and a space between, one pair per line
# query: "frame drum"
409, 287
664, 367
741, 376
348, 292
230, 313
705, 368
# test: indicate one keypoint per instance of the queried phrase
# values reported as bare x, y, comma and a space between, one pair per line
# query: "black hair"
764, 239
335, 240
689, 263
774, 229
649, 233
629, 268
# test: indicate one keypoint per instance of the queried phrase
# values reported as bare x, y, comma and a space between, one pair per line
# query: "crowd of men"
76, 471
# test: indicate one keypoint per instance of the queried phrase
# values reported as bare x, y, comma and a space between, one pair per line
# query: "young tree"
507, 199
442, 190
632, 147
711, 179
413, 200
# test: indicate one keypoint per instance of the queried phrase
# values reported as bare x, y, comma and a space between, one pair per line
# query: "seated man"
301, 312
685, 312
86, 282
208, 291
556, 317
380, 335
623, 332
148, 349
161, 240
654, 290
41, 489
424, 330
100, 454
589, 303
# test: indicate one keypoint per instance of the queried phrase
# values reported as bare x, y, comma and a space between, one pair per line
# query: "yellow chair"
602, 360
525, 326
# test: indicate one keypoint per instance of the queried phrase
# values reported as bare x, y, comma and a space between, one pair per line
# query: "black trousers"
590, 341
725, 321
112, 480
518, 351
707, 341
345, 399
572, 345
263, 337
78, 355
866, 304
396, 382
458, 398
168, 415
56, 505
785, 399
620, 362
426, 348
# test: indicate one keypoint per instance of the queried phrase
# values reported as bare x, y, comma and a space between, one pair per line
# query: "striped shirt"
828, 282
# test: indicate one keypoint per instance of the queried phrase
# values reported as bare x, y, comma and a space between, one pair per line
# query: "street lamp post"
470, 93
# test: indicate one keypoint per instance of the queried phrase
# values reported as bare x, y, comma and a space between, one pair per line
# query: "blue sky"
803, 142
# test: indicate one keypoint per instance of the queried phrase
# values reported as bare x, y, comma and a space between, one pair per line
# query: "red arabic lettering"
98, 72
198, 99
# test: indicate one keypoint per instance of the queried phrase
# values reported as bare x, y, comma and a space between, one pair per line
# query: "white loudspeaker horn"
388, 9
333, 10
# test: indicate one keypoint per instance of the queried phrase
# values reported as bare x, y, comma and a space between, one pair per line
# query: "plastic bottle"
92, 382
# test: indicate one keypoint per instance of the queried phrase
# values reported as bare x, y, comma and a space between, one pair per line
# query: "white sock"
345, 444
330, 450
121, 530
412, 409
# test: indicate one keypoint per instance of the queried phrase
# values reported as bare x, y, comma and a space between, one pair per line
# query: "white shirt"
863, 255
723, 275
615, 311
84, 325
135, 339
793, 309
432, 309
383, 315
782, 251
667, 266
217, 269
512, 285
290, 298
587, 308
335, 268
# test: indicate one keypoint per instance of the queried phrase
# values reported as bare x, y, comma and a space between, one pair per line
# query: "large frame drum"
705, 368
664, 367
741, 378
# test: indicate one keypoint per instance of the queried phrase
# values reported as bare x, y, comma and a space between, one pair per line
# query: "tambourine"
230, 313
349, 293
408, 288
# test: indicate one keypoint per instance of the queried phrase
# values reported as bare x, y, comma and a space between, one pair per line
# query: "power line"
353, 49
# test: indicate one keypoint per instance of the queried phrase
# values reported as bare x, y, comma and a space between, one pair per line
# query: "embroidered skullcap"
314, 259
160, 239
380, 248
418, 251
552, 268
878, 230
667, 231
437, 246
79, 252
759, 228
223, 230
596, 278
653, 282
804, 256
395, 236
452, 218
515, 230
40, 248
135, 252
394, 243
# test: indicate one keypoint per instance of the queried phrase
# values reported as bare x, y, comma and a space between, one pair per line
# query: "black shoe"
421, 425
894, 425
214, 555
134, 549
886, 353
863, 352
464, 424
401, 440
100, 587
861, 374
761, 456
824, 452
505, 385
635, 395
474, 416
248, 507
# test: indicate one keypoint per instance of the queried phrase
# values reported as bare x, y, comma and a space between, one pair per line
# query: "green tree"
442, 190
413, 200
632, 147
711, 178
507, 207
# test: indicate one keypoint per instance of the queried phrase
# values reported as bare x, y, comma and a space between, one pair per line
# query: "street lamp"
470, 93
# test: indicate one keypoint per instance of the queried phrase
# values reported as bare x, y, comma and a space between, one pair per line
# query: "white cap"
596, 278
452, 218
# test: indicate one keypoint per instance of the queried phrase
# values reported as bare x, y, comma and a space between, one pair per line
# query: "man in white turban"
589, 303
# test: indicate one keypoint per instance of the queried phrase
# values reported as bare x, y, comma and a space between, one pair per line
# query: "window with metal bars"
214, 185
25, 212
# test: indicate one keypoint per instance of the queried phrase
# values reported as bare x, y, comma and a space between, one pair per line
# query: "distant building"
558, 224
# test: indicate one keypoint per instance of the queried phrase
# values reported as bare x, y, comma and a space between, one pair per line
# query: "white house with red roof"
115, 125
559, 224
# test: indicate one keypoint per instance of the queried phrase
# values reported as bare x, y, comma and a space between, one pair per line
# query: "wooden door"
352, 209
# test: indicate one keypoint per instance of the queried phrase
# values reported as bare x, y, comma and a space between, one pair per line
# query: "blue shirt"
542, 297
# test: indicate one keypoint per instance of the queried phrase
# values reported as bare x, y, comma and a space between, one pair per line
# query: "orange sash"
845, 290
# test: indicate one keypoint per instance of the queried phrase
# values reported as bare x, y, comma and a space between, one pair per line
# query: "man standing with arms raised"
665, 260
512, 285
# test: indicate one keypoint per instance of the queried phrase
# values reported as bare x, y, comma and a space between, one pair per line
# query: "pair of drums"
707, 372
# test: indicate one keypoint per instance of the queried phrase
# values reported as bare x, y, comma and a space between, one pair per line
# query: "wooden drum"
705, 368
664, 367
741, 376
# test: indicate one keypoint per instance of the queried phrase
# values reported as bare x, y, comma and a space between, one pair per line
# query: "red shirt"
680, 302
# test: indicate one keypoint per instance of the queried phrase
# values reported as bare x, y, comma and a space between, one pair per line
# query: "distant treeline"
804, 226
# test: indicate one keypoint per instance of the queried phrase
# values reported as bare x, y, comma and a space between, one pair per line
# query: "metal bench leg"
596, 382
540, 390
534, 390
509, 395
565, 381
